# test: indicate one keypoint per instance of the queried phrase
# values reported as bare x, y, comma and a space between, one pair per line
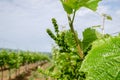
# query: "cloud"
118, 12
23, 23
112, 0
103, 9
84, 12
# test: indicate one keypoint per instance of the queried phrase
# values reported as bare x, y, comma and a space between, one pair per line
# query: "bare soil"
22, 74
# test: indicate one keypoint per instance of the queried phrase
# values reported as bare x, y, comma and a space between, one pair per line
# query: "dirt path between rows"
22, 74
32, 74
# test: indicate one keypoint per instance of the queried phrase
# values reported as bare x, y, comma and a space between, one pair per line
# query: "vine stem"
103, 32
80, 52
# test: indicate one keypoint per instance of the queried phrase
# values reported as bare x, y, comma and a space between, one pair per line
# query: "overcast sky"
23, 23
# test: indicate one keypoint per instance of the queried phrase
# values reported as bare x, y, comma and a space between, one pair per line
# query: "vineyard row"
15, 59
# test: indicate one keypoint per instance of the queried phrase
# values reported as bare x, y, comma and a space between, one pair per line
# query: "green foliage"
14, 59
66, 61
103, 61
3, 57
69, 39
89, 35
71, 5
66, 7
67, 66
96, 26
51, 34
58, 37
108, 17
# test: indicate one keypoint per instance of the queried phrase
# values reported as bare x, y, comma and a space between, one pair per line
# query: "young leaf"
103, 61
109, 17
97, 26
92, 4
89, 35
67, 8
70, 5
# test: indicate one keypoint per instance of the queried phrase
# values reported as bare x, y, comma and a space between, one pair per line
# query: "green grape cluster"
69, 53
66, 60
58, 37
51, 34
55, 25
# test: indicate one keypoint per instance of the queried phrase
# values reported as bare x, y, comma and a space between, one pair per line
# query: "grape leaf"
103, 61
70, 5
109, 17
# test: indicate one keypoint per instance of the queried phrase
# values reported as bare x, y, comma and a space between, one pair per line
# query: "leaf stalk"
71, 21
